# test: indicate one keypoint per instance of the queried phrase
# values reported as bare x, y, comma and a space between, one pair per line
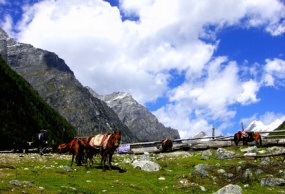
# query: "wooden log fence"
209, 138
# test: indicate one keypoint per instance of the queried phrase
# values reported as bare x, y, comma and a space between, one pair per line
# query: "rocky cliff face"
142, 122
57, 85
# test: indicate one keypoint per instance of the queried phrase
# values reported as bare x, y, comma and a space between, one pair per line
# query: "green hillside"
23, 113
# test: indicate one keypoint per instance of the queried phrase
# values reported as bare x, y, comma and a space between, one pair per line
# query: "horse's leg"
77, 160
72, 159
236, 142
236, 139
104, 158
87, 156
89, 163
110, 161
78, 157
260, 141
92, 152
244, 142
256, 141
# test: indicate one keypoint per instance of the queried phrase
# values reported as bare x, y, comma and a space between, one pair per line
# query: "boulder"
224, 154
232, 189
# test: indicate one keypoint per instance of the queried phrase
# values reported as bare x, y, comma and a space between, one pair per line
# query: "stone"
230, 189
200, 170
272, 181
206, 154
146, 165
224, 154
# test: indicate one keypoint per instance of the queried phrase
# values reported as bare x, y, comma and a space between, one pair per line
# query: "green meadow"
51, 173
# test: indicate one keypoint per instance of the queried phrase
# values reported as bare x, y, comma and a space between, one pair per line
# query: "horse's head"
117, 138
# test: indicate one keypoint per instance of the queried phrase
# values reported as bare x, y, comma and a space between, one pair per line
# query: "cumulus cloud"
209, 98
109, 51
274, 72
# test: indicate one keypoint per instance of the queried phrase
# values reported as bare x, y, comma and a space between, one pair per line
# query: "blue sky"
194, 64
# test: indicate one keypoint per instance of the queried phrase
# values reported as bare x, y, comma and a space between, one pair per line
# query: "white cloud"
130, 7
274, 72
109, 54
270, 117
209, 98
7, 24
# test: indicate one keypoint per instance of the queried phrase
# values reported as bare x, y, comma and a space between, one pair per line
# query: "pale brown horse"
252, 136
77, 149
113, 142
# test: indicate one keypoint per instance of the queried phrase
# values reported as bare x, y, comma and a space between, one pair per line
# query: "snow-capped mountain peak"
259, 126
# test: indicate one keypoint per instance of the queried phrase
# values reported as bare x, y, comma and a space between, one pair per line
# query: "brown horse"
64, 147
111, 143
77, 149
252, 136
166, 145
90, 152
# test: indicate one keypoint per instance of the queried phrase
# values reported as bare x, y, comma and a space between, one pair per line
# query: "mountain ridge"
56, 84
138, 118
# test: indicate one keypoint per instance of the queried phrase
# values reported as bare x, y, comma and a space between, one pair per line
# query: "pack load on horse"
105, 144
166, 145
42, 141
246, 137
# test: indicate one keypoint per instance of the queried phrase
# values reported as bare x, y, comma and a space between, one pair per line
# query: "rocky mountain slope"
23, 113
56, 84
139, 119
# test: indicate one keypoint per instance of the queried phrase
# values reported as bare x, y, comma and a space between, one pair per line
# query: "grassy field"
32, 173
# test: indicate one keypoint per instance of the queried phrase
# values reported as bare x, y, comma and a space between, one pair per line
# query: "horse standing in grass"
77, 149
64, 147
91, 151
106, 145
166, 145
112, 144
252, 136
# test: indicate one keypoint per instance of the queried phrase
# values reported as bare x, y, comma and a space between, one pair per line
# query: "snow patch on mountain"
259, 126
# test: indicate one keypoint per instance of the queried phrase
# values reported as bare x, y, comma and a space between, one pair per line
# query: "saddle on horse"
99, 140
